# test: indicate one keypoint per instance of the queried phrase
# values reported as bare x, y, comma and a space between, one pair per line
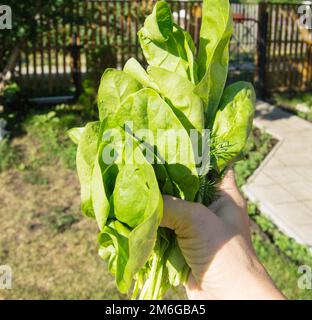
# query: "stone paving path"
282, 185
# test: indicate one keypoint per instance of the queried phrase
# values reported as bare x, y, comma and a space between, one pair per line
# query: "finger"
177, 213
193, 290
172, 209
186, 217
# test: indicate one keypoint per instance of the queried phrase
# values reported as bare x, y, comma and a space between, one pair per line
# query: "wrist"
252, 284
250, 279
246, 280
259, 285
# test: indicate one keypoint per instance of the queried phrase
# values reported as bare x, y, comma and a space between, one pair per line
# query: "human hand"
217, 246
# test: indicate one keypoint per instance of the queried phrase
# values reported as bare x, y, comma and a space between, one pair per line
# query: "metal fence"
268, 46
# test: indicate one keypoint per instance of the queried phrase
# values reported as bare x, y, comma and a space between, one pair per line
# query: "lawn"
51, 248
299, 104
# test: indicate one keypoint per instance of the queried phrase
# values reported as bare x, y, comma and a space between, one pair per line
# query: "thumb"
229, 194
231, 207
229, 187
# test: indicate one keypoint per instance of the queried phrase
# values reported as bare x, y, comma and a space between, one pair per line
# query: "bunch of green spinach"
178, 92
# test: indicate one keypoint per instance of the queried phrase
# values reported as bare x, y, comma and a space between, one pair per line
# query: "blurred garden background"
51, 62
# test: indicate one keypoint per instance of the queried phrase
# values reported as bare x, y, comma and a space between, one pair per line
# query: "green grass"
35, 177
59, 219
291, 102
9, 155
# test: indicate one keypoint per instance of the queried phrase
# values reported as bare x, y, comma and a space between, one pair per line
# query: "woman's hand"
217, 246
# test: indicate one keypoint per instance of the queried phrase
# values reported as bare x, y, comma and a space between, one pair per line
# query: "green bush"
50, 132
88, 100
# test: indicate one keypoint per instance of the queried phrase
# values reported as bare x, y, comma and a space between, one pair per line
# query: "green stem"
147, 291
156, 295
154, 287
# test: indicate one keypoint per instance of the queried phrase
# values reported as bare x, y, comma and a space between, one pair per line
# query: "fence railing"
104, 34
289, 50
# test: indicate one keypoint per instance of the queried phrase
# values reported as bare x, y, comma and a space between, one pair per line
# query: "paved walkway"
282, 185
